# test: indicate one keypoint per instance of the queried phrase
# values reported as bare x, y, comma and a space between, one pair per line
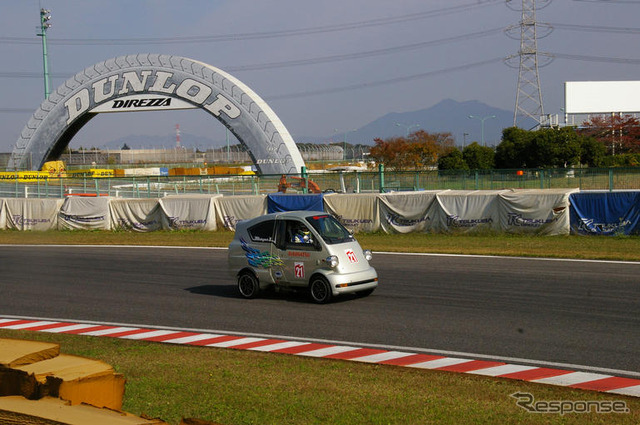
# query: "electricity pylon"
529, 93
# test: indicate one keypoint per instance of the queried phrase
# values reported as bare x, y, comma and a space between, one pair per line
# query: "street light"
482, 120
407, 128
45, 17
344, 142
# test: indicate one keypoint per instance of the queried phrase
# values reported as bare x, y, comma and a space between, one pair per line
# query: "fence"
612, 179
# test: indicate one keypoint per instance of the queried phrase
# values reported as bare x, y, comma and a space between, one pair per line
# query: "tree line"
600, 142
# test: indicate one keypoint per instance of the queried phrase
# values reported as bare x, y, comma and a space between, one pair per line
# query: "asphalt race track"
571, 312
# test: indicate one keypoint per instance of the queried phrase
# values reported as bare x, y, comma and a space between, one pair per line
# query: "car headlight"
332, 261
368, 254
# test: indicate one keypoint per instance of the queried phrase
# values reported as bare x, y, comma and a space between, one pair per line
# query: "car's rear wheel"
320, 290
248, 285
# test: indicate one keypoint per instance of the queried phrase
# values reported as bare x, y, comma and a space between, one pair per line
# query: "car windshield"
330, 229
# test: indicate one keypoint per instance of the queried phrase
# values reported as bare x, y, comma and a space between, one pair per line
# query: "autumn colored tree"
418, 151
619, 133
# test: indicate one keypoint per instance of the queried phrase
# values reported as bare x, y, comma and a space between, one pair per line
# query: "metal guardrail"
351, 182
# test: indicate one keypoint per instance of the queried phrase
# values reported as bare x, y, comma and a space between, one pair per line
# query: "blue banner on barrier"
278, 202
610, 213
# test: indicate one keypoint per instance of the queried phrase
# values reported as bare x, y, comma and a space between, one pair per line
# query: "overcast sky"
321, 65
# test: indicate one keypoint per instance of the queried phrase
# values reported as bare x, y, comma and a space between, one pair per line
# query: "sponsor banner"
543, 211
92, 172
24, 176
85, 213
143, 102
152, 90
608, 213
406, 212
140, 215
465, 211
189, 212
357, 212
231, 209
3, 215
31, 214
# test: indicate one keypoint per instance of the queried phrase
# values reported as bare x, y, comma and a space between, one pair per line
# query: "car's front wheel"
320, 290
248, 285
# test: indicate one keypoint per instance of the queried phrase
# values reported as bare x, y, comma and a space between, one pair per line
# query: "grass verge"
241, 387
584, 247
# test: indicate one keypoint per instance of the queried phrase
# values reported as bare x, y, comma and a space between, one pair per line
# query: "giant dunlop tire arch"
156, 82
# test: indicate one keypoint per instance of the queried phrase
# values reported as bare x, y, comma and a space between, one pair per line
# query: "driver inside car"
301, 235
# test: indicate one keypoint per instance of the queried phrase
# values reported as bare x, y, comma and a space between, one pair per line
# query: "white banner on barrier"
516, 211
85, 213
543, 211
406, 212
3, 215
32, 214
465, 211
192, 212
141, 215
358, 212
231, 209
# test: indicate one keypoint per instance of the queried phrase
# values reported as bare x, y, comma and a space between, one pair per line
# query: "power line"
371, 84
585, 58
254, 35
610, 1
382, 82
397, 80
595, 28
367, 54
314, 61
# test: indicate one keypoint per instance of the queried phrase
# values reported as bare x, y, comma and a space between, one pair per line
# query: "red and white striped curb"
565, 378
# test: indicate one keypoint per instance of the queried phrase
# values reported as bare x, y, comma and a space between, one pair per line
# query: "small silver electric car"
303, 249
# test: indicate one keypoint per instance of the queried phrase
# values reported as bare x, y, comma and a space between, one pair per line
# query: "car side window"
298, 236
263, 232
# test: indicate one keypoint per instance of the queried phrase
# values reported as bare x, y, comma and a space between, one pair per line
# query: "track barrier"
527, 211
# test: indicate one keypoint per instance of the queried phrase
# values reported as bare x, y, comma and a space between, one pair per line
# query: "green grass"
239, 387
592, 247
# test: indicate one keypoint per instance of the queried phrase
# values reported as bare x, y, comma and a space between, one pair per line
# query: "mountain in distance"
446, 116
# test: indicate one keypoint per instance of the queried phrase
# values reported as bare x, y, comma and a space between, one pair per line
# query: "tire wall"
156, 82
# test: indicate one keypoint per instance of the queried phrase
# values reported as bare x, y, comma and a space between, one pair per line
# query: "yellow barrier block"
78, 380
51, 411
17, 352
54, 169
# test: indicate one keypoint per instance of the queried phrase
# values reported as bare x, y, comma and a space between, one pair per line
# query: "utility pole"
45, 17
529, 94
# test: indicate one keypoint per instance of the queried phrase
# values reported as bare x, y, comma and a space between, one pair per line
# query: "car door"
259, 249
297, 247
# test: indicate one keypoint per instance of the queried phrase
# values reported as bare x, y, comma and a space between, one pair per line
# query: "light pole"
406, 127
344, 142
45, 17
464, 140
482, 120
